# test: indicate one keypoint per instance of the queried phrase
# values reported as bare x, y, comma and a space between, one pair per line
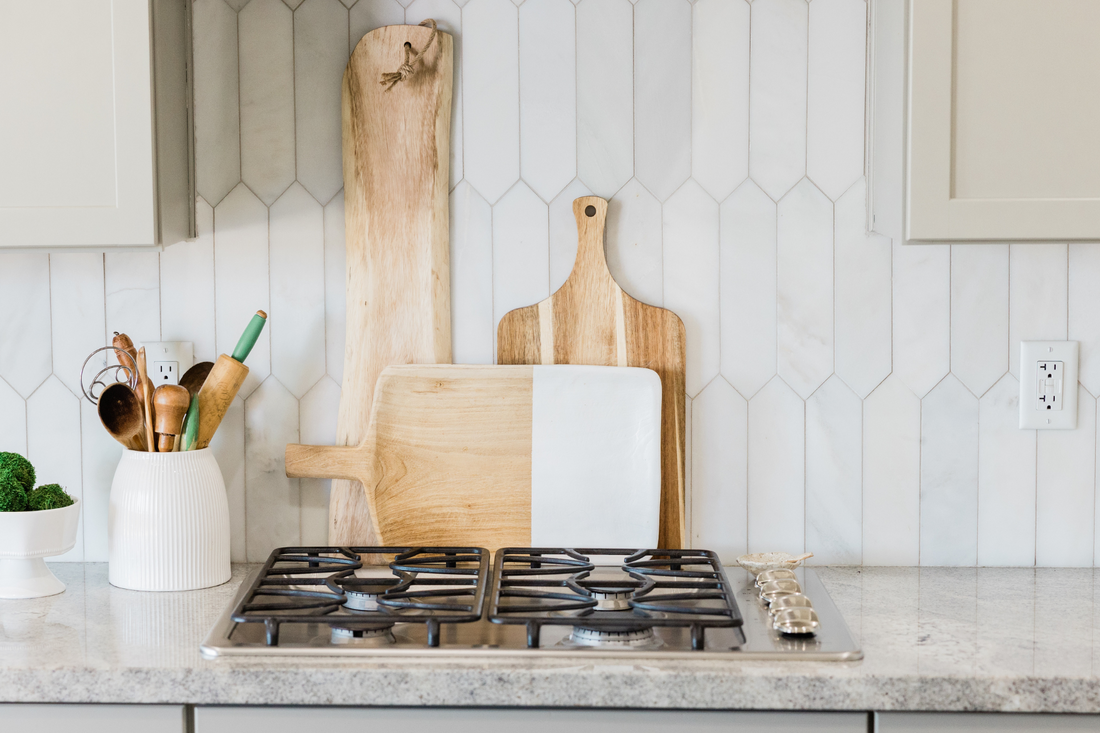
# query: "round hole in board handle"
590, 210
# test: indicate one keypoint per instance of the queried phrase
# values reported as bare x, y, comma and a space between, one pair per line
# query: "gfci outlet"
1048, 385
166, 361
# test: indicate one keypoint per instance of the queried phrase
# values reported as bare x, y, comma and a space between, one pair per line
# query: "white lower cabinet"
983, 723
516, 720
93, 718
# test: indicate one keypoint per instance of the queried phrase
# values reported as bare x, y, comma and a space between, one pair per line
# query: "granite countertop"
933, 639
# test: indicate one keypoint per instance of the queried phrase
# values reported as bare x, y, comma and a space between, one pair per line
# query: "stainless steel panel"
482, 639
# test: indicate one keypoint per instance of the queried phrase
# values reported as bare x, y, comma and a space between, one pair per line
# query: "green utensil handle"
191, 425
248, 338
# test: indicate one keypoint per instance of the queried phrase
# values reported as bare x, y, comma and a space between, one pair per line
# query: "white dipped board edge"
595, 457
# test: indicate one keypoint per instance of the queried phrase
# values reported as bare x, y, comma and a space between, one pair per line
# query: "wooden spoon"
194, 377
120, 413
146, 399
170, 402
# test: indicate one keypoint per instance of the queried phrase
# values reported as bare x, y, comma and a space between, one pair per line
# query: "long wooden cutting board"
590, 320
499, 456
396, 146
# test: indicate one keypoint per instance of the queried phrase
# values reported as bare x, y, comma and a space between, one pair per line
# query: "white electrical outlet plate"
1048, 385
166, 361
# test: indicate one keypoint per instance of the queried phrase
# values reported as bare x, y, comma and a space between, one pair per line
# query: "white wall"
846, 394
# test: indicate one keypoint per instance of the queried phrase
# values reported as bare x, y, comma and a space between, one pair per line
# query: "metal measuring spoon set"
792, 612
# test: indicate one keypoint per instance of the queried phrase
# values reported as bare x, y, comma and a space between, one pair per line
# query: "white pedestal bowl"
28, 537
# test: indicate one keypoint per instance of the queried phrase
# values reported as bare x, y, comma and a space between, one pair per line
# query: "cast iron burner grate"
564, 587
426, 585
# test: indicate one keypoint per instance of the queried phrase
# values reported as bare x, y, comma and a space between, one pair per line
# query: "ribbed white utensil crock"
168, 526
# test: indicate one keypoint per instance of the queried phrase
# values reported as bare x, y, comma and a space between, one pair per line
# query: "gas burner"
341, 635
612, 604
329, 585
360, 601
611, 600
639, 637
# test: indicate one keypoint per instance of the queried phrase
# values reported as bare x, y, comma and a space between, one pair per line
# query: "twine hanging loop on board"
409, 67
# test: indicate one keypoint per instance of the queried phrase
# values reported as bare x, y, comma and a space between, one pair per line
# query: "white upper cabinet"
95, 133
985, 120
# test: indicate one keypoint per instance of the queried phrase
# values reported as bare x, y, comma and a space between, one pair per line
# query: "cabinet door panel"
1004, 103
76, 146
511, 720
93, 718
983, 723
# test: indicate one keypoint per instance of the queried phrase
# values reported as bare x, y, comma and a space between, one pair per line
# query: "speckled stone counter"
933, 639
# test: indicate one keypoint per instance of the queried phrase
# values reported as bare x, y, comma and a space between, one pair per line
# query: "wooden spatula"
396, 157
590, 320
491, 456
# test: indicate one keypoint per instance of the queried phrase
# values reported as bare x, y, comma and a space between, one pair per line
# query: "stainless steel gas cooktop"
550, 602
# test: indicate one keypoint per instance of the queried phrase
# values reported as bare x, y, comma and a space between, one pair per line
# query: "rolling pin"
224, 381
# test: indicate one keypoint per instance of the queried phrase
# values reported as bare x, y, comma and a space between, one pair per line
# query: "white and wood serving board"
506, 456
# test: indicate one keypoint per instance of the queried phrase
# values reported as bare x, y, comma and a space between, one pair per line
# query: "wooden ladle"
120, 413
170, 403
194, 377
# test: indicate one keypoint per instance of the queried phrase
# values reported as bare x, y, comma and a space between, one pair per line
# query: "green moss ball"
50, 496
19, 468
12, 496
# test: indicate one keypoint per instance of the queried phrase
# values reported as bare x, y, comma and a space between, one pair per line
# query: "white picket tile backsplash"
835, 94
471, 277
691, 278
217, 99
804, 288
297, 315
777, 94
266, 37
847, 394
834, 491
719, 462
320, 56
979, 314
605, 94
1065, 477
633, 243
922, 315
1038, 298
720, 86
491, 136
1084, 310
862, 295
187, 288
748, 336
26, 355
949, 475
1006, 479
662, 88
548, 95
891, 475
562, 229
242, 278
777, 469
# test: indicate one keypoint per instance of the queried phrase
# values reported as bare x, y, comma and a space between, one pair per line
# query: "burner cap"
361, 601
611, 600
598, 637
341, 635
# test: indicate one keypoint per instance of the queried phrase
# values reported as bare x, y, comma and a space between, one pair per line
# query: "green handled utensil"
248, 338
191, 425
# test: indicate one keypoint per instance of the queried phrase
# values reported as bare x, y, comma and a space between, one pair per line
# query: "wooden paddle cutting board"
590, 320
396, 147
499, 456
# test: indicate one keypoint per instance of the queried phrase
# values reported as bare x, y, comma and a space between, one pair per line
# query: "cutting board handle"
591, 215
327, 461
